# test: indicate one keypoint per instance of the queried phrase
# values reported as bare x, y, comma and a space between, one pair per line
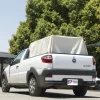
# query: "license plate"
72, 81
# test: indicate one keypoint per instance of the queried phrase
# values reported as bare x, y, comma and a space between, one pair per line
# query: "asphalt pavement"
51, 94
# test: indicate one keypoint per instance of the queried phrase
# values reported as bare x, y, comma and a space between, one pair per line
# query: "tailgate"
72, 62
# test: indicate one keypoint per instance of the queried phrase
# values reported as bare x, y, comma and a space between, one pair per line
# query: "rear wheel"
97, 87
5, 86
80, 91
34, 89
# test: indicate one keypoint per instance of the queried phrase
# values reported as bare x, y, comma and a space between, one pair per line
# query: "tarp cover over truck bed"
58, 44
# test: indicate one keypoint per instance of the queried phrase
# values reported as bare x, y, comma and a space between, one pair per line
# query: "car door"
24, 67
13, 77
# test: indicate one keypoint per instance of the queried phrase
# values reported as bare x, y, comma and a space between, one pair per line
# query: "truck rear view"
66, 63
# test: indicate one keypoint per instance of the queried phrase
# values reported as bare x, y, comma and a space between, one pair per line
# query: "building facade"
4, 59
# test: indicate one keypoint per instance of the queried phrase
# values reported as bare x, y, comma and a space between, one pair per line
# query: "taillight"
94, 61
47, 59
49, 75
94, 76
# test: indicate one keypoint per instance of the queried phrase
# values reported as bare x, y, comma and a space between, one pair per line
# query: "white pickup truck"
52, 62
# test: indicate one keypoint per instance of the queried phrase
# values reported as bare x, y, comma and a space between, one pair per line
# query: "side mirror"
11, 62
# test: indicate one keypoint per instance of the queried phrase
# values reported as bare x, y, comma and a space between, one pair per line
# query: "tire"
5, 86
80, 91
43, 91
34, 89
97, 87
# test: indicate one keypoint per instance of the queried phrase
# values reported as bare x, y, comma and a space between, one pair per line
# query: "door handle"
74, 60
17, 66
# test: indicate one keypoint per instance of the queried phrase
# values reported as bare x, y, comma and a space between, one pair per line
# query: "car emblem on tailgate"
74, 60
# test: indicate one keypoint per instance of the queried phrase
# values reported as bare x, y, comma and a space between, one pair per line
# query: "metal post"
1, 67
1, 71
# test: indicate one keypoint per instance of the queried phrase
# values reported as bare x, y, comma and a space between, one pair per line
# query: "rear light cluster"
94, 76
94, 61
47, 59
49, 75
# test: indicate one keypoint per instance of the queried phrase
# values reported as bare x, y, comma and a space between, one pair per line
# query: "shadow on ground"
55, 95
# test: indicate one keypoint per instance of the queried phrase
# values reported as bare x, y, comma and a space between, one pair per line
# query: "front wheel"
34, 89
80, 91
5, 86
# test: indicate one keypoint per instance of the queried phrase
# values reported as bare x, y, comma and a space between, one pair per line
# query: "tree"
63, 17
21, 39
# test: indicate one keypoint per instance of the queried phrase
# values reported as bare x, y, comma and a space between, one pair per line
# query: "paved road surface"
51, 94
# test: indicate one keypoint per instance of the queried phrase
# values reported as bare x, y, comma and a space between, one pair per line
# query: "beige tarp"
58, 44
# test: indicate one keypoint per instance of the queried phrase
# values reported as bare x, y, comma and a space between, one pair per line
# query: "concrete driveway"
51, 94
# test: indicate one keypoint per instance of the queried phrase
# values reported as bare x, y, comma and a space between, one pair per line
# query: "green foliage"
43, 29
61, 17
21, 39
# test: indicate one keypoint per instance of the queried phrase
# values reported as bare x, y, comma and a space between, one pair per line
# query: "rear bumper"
68, 72
64, 83
44, 83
